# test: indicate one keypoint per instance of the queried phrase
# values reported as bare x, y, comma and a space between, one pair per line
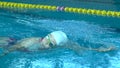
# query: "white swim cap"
58, 37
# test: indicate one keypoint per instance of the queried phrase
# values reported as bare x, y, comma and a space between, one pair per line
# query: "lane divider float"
60, 8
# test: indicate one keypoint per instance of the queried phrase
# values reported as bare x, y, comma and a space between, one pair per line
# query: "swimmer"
54, 39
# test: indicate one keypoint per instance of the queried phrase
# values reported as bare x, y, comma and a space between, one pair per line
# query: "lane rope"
60, 8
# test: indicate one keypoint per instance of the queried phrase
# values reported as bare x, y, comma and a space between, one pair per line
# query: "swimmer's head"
56, 38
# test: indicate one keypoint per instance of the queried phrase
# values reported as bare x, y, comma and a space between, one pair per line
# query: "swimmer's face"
48, 40
44, 43
52, 39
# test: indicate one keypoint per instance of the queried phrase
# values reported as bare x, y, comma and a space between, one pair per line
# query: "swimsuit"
7, 41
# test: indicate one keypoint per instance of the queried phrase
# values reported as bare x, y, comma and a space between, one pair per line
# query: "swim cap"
58, 37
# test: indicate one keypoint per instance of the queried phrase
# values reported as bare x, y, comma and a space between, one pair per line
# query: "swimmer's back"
30, 44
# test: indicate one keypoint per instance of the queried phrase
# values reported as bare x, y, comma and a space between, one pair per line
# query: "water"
20, 26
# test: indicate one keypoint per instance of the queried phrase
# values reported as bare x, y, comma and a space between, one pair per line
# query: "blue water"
19, 25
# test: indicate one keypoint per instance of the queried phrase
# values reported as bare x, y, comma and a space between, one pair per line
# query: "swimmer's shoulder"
29, 40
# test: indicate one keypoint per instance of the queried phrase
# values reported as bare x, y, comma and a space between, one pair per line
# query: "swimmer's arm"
11, 49
103, 49
76, 47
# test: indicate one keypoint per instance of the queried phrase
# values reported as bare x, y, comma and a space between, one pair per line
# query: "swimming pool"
22, 25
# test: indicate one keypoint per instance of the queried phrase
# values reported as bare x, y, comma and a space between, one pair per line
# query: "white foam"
18, 63
63, 62
115, 61
42, 63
